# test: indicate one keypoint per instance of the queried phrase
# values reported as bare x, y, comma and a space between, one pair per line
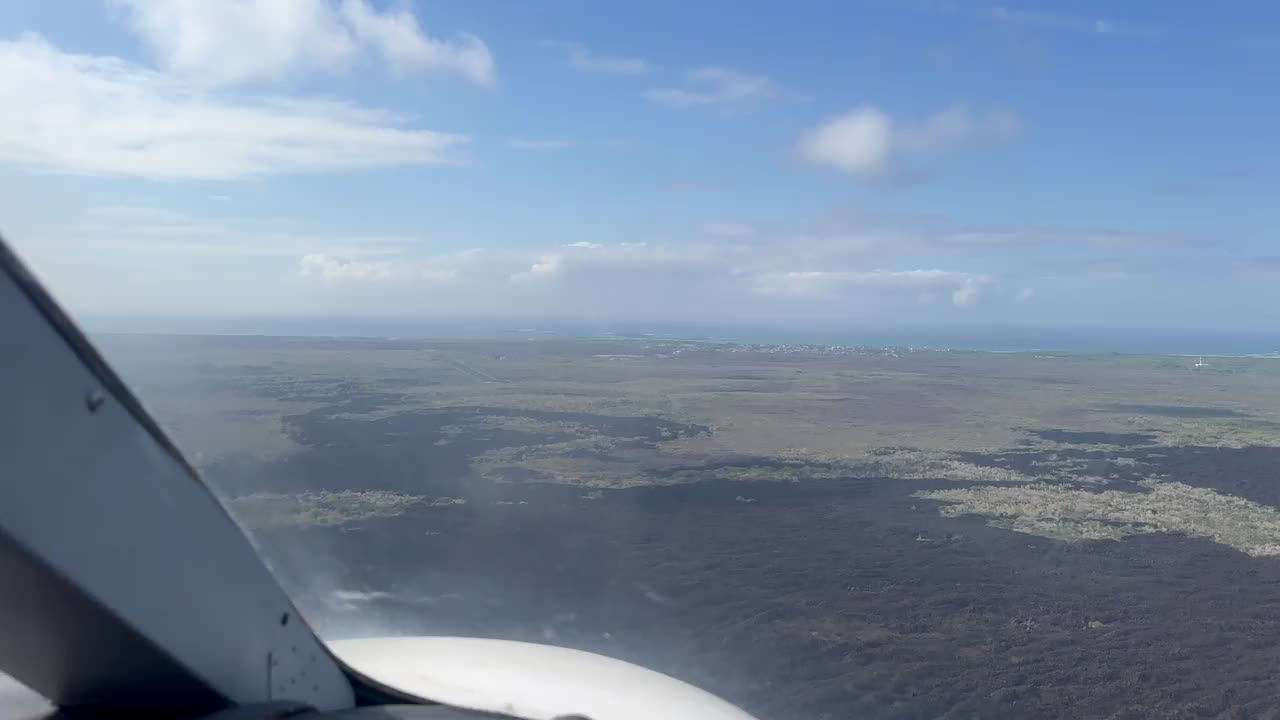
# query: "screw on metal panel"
94, 400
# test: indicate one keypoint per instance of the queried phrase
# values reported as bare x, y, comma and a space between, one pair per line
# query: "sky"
855, 163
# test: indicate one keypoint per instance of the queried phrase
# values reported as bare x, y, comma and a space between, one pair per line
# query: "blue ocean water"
1166, 341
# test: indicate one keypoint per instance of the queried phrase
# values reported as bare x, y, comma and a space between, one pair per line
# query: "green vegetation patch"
1072, 515
326, 509
917, 464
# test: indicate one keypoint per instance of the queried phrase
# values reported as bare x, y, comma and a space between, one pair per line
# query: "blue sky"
930, 162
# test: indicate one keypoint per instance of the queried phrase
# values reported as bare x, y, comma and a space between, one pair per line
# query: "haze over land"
910, 532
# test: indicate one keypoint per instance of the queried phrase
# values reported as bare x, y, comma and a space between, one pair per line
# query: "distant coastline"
1177, 343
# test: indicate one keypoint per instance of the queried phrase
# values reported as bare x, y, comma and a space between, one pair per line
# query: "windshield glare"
852, 359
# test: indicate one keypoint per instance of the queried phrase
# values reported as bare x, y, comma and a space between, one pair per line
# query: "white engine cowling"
528, 680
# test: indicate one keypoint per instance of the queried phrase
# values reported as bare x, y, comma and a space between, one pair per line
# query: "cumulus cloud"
234, 41
857, 142
600, 277
713, 85
331, 268
583, 260
967, 293
396, 36
585, 60
100, 115
851, 267
855, 269
864, 141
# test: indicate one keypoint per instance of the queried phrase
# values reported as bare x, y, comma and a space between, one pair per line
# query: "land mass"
809, 531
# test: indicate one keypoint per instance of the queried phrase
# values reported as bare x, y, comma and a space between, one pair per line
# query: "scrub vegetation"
271, 510
1067, 514
910, 534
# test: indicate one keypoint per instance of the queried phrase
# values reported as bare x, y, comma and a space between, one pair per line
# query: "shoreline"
694, 343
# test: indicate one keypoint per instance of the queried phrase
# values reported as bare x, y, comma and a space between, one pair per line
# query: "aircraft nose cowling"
527, 680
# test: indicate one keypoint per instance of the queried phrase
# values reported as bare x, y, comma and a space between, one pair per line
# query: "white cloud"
100, 115
119, 259
965, 287
331, 268
956, 126
236, 40
967, 294
583, 59
713, 85
857, 142
587, 277
939, 132
864, 141
544, 145
630, 279
232, 41
397, 37
587, 259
